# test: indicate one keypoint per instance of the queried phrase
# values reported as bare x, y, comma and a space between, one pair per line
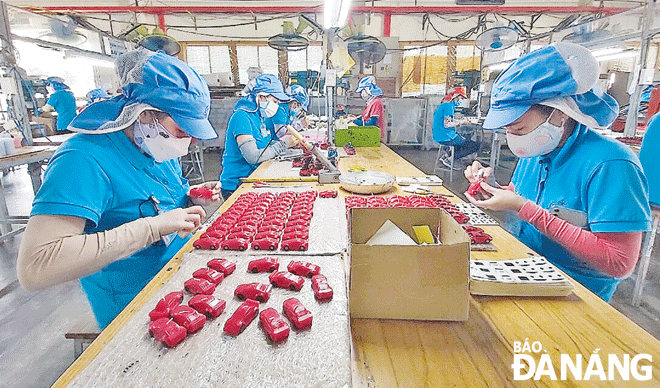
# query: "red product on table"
189, 318
328, 194
255, 291
199, 286
322, 289
201, 192
303, 268
222, 265
165, 305
235, 244
297, 314
266, 264
294, 244
273, 324
242, 317
167, 331
265, 243
208, 305
209, 274
207, 243
286, 280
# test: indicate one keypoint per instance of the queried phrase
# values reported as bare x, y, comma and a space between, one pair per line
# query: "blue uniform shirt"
65, 105
648, 156
106, 180
442, 134
601, 178
241, 122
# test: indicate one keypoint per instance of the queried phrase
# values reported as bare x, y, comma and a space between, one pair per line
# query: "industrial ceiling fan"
497, 38
291, 39
367, 50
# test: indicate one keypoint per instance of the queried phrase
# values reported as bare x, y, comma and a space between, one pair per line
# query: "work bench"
476, 353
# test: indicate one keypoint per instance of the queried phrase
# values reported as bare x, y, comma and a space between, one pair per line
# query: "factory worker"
96, 95
374, 112
292, 113
581, 199
648, 156
444, 126
113, 207
248, 141
61, 100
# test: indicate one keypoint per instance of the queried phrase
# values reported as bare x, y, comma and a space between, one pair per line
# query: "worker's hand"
180, 220
290, 140
205, 194
501, 199
476, 170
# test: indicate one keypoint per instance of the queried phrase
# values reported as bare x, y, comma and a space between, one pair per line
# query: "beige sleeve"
55, 250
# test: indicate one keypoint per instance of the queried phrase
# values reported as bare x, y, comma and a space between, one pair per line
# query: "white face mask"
156, 141
268, 108
540, 141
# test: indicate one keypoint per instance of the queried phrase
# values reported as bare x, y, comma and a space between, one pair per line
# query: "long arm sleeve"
254, 155
614, 254
55, 250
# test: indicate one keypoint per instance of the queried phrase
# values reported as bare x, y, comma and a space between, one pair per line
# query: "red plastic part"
255, 291
266, 264
208, 305
297, 314
199, 286
201, 192
189, 318
167, 331
322, 289
222, 265
303, 268
242, 317
273, 324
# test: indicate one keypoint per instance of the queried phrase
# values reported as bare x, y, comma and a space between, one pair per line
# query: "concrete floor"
34, 352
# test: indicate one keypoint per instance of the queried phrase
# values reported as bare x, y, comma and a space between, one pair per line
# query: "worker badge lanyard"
167, 239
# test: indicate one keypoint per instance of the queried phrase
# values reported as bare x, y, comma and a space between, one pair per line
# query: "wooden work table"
475, 353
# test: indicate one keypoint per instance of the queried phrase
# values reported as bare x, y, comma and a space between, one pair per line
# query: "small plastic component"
167, 331
207, 305
265, 243
286, 280
242, 317
235, 244
209, 274
266, 264
201, 192
165, 305
295, 244
328, 194
199, 286
273, 324
255, 291
222, 265
322, 289
475, 190
303, 268
350, 150
207, 243
189, 318
297, 314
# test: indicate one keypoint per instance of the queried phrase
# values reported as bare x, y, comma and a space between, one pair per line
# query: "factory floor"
34, 352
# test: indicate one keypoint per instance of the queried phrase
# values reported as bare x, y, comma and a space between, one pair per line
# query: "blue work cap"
369, 83
269, 84
96, 93
562, 75
57, 83
298, 93
152, 80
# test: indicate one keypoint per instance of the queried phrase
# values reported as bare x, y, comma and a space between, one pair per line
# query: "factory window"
256, 56
308, 59
208, 59
425, 68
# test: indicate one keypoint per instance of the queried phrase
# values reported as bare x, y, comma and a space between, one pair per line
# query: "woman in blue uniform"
249, 141
581, 199
61, 100
113, 208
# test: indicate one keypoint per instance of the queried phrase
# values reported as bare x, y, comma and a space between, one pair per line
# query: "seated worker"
61, 100
374, 112
113, 207
581, 199
249, 142
444, 126
292, 113
95, 95
649, 158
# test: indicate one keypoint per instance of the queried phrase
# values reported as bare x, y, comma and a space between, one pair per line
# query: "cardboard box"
426, 282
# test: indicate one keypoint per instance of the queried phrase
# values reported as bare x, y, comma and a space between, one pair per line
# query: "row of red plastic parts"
477, 235
272, 323
263, 219
416, 201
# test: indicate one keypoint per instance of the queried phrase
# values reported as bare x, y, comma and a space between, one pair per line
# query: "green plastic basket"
358, 136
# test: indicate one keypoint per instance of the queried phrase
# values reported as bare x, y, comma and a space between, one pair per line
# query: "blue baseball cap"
57, 83
369, 83
562, 75
152, 80
96, 93
269, 84
298, 93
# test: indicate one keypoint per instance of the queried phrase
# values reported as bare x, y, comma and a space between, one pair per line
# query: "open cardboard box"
426, 282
